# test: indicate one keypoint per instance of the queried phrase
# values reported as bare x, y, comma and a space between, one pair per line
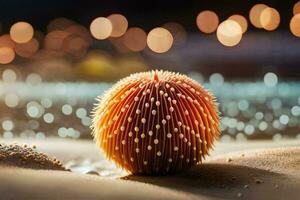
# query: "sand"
42, 184
261, 174
27, 157
251, 170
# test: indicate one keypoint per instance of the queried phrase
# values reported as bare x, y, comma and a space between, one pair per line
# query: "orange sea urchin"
156, 122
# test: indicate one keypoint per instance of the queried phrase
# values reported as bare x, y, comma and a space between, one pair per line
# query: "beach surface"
234, 170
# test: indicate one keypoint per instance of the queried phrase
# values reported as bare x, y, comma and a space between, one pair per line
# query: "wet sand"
252, 170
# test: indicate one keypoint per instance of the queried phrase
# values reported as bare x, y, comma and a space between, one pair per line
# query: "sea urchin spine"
156, 122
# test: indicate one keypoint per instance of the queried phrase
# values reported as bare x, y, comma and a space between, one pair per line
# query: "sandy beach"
250, 170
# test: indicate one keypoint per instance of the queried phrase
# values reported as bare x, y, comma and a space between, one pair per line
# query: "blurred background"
57, 56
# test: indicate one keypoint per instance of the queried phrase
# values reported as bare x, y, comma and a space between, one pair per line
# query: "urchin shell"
156, 122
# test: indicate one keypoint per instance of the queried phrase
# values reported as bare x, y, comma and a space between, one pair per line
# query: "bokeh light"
229, 33
7, 55
11, 100
60, 23
54, 40
295, 25
159, 40
119, 25
207, 21
254, 14
48, 118
241, 20
7, 125
101, 28
269, 19
216, 79
295, 111
34, 109
135, 39
68, 53
27, 49
118, 43
6, 41
75, 45
80, 31
33, 79
9, 76
178, 32
270, 79
46, 102
21, 32
67, 109
296, 8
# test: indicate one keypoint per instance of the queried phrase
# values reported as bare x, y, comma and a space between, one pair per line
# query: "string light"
295, 25
229, 33
21, 32
269, 19
135, 39
60, 23
178, 32
296, 8
26, 50
7, 55
54, 40
241, 20
207, 21
6, 41
80, 31
75, 46
255, 13
119, 25
73, 39
159, 40
101, 28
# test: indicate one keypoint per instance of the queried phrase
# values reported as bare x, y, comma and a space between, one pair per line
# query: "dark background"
258, 52
146, 14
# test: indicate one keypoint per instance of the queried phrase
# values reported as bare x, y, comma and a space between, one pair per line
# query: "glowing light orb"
255, 13
27, 49
119, 25
75, 45
229, 33
7, 55
135, 39
54, 40
178, 32
60, 23
241, 20
207, 21
295, 25
159, 40
296, 8
80, 31
156, 123
269, 19
6, 41
101, 28
119, 44
21, 32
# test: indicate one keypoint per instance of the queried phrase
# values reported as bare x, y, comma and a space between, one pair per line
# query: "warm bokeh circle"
156, 123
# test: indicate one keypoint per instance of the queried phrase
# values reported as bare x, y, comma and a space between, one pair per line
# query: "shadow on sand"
225, 181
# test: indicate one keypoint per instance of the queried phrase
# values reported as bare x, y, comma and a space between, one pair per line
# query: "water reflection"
266, 109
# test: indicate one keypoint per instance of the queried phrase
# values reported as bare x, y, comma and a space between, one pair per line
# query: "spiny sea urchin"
156, 122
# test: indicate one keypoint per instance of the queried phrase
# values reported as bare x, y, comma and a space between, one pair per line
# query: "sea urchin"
156, 122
